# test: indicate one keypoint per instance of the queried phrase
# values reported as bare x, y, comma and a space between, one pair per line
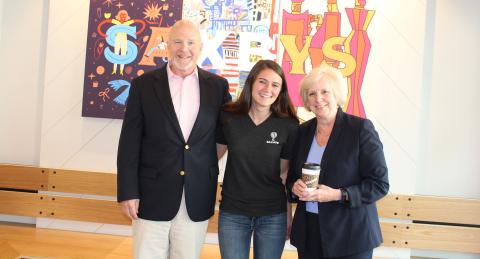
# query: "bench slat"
82, 182
444, 209
430, 208
72, 208
433, 237
22, 204
23, 177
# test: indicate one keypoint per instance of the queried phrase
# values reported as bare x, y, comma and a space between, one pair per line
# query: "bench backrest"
407, 221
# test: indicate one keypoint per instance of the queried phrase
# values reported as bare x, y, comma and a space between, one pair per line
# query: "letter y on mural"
311, 39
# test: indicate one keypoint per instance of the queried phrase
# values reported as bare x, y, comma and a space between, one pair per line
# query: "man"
167, 161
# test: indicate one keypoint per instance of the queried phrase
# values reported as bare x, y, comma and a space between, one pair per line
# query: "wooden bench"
408, 221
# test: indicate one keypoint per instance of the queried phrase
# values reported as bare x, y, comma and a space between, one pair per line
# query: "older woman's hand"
322, 194
299, 188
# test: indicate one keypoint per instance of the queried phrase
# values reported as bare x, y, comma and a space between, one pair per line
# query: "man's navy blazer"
353, 159
155, 163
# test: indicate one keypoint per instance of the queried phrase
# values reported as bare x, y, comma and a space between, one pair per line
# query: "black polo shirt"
252, 185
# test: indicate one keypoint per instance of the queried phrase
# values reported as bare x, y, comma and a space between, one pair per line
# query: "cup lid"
311, 166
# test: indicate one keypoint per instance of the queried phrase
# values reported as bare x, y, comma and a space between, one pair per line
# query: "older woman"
339, 219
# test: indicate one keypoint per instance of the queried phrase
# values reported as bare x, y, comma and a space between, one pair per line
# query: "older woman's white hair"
334, 78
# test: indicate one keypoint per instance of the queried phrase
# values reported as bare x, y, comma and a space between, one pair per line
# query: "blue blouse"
314, 156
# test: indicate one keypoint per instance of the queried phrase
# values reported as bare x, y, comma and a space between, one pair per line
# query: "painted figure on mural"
328, 27
160, 45
120, 47
123, 23
358, 45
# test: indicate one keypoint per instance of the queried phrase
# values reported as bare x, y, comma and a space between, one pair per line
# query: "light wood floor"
25, 240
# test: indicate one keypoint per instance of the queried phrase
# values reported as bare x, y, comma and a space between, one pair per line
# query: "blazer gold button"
182, 173
187, 147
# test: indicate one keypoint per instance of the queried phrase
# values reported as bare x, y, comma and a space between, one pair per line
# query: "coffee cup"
310, 174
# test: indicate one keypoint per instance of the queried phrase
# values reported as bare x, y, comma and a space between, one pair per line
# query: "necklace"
323, 135
261, 118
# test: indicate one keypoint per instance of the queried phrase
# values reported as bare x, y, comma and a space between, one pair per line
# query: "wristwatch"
344, 196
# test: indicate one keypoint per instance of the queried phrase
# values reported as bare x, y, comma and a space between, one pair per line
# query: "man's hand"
130, 208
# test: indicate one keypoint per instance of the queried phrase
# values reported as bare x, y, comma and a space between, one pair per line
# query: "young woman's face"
265, 88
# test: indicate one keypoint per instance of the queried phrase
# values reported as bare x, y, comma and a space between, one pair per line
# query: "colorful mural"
311, 39
231, 27
124, 41
128, 38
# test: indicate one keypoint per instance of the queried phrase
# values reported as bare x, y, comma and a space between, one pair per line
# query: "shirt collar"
171, 74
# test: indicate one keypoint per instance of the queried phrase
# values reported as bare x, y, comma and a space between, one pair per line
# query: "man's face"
184, 47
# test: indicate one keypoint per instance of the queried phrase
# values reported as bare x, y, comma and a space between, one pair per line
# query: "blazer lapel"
334, 138
202, 84
309, 136
162, 91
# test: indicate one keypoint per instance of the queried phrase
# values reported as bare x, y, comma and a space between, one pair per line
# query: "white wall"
1, 21
69, 140
23, 36
392, 96
393, 83
451, 121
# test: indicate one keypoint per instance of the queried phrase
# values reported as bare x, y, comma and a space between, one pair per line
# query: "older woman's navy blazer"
353, 160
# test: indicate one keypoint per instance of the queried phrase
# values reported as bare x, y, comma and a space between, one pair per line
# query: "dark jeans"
313, 248
235, 232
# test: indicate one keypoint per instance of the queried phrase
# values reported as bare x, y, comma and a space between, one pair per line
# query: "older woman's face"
321, 100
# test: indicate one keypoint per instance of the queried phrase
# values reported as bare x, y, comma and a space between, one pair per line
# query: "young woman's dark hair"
282, 107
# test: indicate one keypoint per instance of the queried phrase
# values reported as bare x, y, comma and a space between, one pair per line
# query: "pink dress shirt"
185, 94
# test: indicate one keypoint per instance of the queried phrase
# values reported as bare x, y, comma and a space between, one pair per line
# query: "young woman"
258, 130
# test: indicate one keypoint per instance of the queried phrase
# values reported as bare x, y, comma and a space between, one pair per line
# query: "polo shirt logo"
273, 135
